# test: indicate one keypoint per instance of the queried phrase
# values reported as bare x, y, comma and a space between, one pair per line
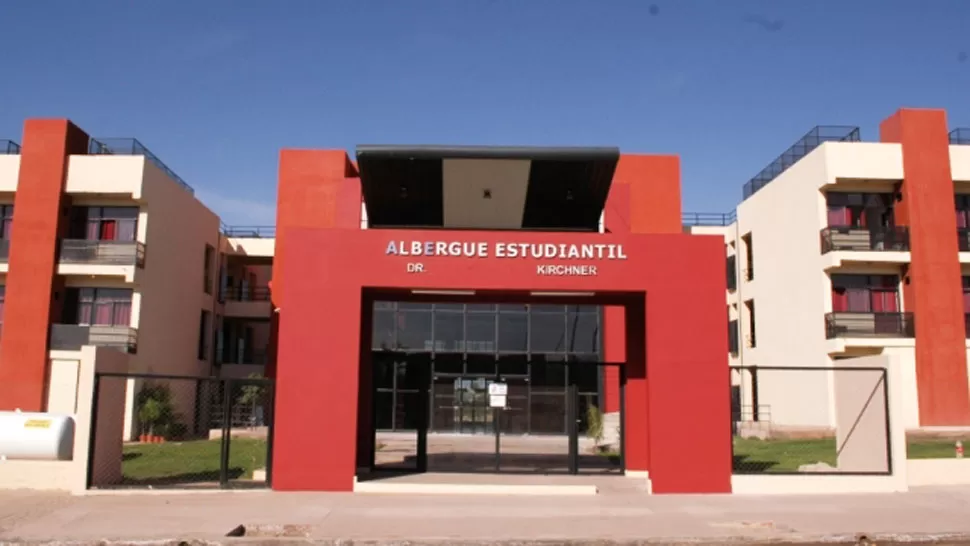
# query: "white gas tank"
37, 436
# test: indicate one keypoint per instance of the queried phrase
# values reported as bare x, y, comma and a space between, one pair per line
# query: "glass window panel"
383, 305
585, 375
481, 307
412, 372
582, 308
384, 410
480, 365
513, 365
414, 330
544, 308
547, 332
513, 307
383, 372
548, 373
449, 364
383, 332
513, 332
547, 413
480, 332
414, 306
449, 332
449, 306
583, 333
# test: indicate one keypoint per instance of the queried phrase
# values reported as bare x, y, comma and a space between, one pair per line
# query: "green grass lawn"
758, 456
192, 461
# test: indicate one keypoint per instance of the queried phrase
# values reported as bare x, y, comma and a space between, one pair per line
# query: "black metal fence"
245, 293
810, 420
158, 431
257, 232
708, 218
869, 325
9, 147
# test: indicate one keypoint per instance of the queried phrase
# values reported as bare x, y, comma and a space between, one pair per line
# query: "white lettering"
535, 251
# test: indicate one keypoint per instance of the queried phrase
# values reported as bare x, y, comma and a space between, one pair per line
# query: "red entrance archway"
671, 287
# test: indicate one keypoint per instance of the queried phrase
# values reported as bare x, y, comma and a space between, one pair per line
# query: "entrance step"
473, 484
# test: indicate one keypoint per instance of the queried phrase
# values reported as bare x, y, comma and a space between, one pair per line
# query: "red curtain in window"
839, 216
122, 313
961, 219
109, 229
840, 299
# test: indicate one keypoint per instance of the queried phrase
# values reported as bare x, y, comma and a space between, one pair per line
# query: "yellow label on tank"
37, 423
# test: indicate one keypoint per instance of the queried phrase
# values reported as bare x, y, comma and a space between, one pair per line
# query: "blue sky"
215, 88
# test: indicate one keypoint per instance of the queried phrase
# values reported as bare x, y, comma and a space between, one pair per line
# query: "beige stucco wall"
9, 172
72, 393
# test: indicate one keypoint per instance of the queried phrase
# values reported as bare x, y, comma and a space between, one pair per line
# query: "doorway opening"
510, 388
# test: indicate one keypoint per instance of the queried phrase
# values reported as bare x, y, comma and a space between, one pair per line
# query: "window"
966, 295
3, 299
865, 293
98, 306
860, 209
732, 272
963, 211
6, 221
203, 335
733, 337
104, 223
749, 256
752, 340
210, 252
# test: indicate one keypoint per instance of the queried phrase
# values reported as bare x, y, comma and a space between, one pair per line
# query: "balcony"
9, 147
869, 325
85, 252
963, 239
71, 337
4, 250
862, 239
246, 302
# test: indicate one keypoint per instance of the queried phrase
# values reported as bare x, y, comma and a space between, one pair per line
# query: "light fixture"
444, 292
567, 294
487, 194
404, 192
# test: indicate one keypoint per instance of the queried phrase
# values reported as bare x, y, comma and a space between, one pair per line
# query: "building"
849, 248
111, 248
554, 274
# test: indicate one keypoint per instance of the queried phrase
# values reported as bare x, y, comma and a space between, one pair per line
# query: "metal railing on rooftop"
813, 139
258, 232
960, 136
9, 147
131, 146
708, 218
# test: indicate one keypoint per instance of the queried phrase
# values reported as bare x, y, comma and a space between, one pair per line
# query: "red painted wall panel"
328, 268
314, 189
40, 210
934, 291
654, 182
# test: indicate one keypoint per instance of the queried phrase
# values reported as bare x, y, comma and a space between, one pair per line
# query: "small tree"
594, 425
251, 396
154, 407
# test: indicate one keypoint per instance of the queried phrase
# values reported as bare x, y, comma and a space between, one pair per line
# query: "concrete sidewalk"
604, 519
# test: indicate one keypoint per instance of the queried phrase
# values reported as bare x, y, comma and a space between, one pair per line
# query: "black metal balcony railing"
963, 239
960, 136
841, 238
248, 293
82, 251
708, 218
813, 139
253, 358
878, 325
131, 146
71, 337
256, 232
9, 147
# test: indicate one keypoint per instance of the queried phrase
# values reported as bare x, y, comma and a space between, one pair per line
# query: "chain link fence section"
155, 431
805, 420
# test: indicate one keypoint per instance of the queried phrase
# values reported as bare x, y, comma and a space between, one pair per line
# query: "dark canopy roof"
486, 187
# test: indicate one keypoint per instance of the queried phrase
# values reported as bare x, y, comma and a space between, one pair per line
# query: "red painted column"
33, 288
934, 290
689, 388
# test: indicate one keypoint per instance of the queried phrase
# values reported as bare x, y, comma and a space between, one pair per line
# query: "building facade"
843, 248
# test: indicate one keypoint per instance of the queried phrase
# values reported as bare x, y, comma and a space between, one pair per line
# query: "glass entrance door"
474, 414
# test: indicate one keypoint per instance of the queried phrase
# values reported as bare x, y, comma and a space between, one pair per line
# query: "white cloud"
240, 210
